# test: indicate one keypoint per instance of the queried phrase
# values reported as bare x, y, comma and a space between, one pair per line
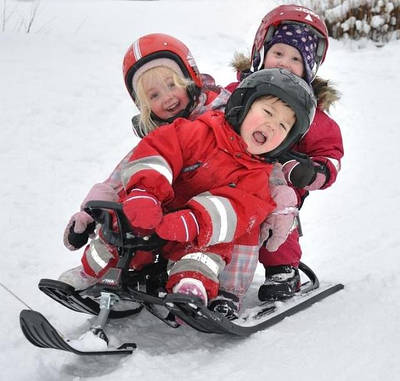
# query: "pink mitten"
78, 230
277, 176
178, 226
81, 225
282, 220
101, 192
142, 209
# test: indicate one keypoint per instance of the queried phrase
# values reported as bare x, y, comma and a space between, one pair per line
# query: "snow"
65, 123
88, 341
377, 21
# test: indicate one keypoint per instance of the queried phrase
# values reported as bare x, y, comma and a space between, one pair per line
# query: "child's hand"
78, 230
298, 168
102, 192
276, 228
142, 209
178, 226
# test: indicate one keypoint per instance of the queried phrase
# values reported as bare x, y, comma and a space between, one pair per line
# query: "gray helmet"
282, 84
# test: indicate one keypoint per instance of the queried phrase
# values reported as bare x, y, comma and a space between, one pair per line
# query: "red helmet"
159, 46
289, 14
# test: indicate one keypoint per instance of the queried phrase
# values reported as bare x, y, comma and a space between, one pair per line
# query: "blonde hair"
156, 73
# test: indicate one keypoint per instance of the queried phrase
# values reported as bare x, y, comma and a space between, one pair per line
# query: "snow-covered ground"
65, 123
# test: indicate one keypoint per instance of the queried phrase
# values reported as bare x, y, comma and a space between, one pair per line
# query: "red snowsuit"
203, 165
208, 100
323, 144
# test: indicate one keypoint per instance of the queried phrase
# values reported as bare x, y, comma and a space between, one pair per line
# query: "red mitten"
142, 209
178, 226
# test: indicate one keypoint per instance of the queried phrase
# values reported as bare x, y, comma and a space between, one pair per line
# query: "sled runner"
41, 333
121, 292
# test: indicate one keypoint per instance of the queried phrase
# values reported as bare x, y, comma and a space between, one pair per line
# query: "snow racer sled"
122, 292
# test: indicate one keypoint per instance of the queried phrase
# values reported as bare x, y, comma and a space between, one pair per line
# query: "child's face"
286, 57
166, 99
266, 125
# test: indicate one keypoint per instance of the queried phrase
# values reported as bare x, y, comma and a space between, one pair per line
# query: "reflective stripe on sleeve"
335, 163
155, 163
223, 217
97, 255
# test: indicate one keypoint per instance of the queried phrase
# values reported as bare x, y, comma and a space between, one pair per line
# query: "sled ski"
145, 289
67, 296
252, 320
41, 333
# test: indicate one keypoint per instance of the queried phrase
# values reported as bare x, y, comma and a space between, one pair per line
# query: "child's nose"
283, 64
168, 95
272, 125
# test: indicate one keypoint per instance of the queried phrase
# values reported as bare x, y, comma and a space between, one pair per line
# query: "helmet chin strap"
181, 114
315, 71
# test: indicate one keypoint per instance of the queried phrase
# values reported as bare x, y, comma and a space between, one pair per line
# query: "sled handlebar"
125, 236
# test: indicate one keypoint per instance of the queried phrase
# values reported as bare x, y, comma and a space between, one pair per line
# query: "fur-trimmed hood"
325, 93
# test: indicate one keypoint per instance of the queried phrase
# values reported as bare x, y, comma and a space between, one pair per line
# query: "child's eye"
283, 126
153, 96
267, 112
171, 85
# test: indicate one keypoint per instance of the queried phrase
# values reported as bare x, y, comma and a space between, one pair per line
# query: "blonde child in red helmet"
295, 38
163, 80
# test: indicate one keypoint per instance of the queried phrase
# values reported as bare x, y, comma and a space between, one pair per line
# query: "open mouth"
259, 137
173, 107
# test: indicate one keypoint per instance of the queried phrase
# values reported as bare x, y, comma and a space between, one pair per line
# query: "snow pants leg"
239, 273
203, 266
289, 253
99, 256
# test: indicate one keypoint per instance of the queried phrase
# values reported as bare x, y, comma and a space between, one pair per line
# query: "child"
295, 38
162, 78
167, 65
207, 188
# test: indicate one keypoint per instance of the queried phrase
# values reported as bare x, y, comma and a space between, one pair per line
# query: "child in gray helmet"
207, 191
